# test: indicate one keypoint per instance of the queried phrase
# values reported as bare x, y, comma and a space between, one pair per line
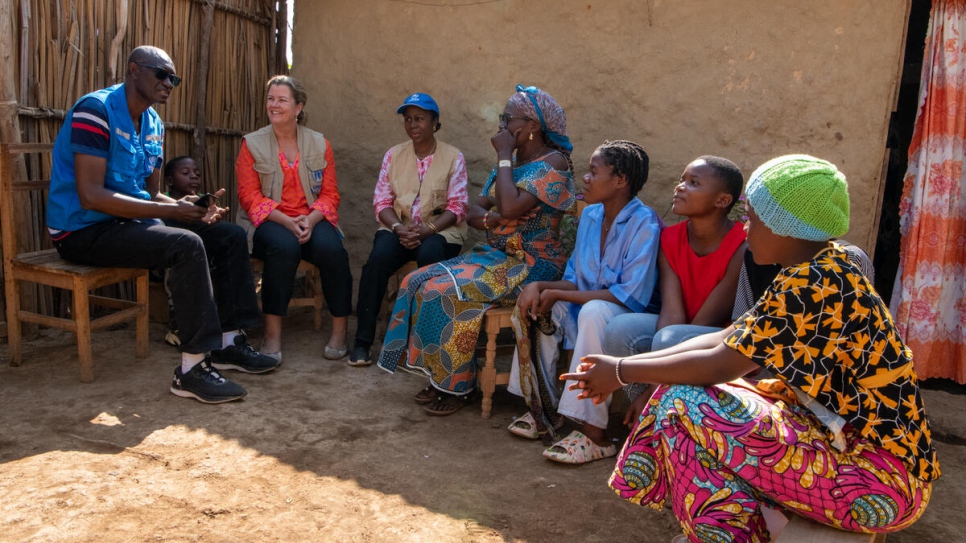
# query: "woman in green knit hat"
839, 436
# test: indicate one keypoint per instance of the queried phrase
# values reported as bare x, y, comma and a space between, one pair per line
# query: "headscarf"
539, 105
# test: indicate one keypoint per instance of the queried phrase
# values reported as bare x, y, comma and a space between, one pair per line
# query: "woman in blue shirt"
613, 270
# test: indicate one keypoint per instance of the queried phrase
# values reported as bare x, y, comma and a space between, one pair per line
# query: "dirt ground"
318, 451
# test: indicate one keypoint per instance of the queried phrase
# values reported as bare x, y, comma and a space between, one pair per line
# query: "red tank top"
698, 274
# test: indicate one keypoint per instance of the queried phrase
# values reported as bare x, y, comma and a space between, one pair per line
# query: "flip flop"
426, 396
447, 405
577, 448
526, 426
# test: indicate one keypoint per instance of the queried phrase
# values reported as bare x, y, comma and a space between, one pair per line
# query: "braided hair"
729, 174
628, 159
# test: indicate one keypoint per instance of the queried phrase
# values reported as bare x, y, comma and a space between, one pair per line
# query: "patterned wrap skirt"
722, 452
438, 314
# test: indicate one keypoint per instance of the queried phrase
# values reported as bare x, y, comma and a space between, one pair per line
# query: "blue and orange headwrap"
539, 105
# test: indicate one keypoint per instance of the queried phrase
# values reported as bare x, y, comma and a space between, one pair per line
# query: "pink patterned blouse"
456, 195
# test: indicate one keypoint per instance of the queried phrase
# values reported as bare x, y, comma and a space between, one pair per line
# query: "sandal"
577, 448
426, 396
447, 404
526, 427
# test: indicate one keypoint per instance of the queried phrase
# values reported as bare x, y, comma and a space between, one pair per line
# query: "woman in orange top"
289, 195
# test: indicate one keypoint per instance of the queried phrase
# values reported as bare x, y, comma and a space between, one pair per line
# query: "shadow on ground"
318, 451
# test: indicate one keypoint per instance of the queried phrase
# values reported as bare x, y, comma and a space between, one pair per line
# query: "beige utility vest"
264, 149
404, 180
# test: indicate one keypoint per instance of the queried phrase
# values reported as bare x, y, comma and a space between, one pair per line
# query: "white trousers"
587, 334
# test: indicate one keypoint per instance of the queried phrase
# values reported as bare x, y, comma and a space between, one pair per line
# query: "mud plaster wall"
743, 79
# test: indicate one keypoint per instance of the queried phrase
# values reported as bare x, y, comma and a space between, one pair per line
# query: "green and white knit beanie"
800, 196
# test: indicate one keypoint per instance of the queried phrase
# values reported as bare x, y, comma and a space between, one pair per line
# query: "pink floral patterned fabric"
929, 296
719, 453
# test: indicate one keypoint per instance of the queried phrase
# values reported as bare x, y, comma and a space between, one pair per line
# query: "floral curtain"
929, 297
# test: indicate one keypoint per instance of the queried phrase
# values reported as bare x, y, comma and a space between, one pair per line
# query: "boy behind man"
234, 287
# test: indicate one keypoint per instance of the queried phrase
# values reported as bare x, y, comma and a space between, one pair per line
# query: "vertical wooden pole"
115, 54
281, 46
273, 33
9, 132
9, 122
201, 119
7, 41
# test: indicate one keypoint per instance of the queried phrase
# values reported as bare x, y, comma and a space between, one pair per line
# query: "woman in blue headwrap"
439, 310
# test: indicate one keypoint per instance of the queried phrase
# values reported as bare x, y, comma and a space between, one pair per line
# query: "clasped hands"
412, 235
302, 226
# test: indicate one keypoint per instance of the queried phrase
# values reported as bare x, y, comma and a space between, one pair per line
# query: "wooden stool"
494, 320
392, 289
313, 288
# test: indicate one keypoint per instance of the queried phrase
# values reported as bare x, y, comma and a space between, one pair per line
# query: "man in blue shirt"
104, 207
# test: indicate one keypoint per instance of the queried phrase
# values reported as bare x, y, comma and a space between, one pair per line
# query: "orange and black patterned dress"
839, 437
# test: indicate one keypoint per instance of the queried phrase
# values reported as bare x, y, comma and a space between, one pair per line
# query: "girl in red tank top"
700, 258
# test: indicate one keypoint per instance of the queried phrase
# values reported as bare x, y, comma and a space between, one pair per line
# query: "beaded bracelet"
485, 217
617, 372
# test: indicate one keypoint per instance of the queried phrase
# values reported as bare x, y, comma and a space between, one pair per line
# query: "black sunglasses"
163, 74
505, 118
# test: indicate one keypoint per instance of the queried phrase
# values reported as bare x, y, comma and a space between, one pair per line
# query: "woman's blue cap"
420, 100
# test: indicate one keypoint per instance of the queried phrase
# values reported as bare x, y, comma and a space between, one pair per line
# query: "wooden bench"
45, 267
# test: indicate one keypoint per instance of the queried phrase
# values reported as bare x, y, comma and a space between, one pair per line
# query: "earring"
531, 136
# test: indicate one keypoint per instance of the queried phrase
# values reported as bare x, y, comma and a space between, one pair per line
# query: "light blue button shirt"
627, 266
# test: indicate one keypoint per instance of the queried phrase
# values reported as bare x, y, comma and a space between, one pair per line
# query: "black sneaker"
360, 356
242, 357
204, 384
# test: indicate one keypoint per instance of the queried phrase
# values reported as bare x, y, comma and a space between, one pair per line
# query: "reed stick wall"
63, 49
